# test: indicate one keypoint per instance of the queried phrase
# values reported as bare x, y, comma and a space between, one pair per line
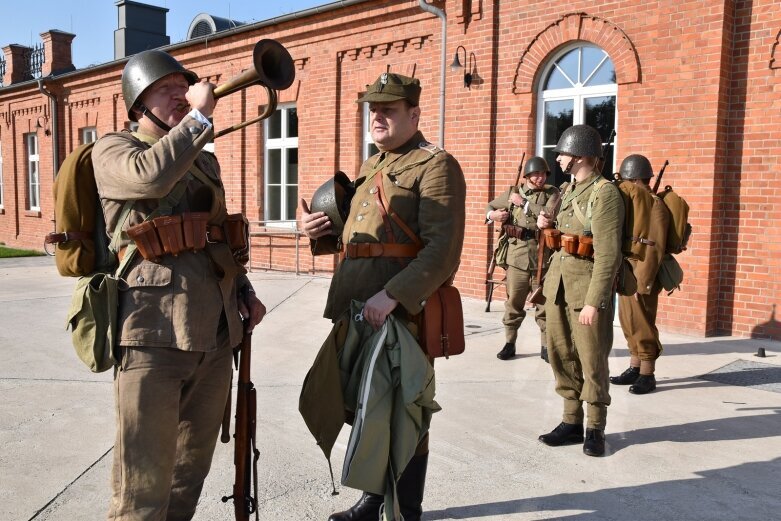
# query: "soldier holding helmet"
516, 211
579, 291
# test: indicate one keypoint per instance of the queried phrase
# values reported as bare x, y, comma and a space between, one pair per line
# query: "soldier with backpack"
587, 236
180, 297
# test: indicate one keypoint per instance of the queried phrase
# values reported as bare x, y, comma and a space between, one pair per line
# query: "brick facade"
699, 84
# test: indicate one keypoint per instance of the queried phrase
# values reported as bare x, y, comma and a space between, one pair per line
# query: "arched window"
578, 86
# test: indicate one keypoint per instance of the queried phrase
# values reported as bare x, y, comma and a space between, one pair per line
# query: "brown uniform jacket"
425, 186
646, 270
523, 254
186, 302
588, 281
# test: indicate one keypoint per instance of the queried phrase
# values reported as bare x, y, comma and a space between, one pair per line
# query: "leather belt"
379, 249
519, 232
57, 238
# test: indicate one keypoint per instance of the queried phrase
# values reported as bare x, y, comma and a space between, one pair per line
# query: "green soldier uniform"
178, 317
425, 188
579, 353
637, 313
521, 268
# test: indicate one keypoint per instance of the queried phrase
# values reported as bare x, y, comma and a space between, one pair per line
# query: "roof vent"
206, 24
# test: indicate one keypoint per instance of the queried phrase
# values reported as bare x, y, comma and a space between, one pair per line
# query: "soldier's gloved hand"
314, 225
378, 307
544, 220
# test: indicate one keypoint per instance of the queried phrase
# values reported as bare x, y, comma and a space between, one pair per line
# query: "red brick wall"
699, 84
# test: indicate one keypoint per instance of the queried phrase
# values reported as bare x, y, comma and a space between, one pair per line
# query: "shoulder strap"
386, 210
599, 183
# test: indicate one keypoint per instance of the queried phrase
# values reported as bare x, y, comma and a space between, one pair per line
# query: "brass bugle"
272, 68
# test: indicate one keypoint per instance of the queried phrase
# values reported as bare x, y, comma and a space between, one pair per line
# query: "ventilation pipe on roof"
441, 14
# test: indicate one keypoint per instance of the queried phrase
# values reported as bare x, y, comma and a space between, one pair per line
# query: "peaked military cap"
392, 87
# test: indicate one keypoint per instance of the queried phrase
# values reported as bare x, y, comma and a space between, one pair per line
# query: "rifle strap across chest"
387, 214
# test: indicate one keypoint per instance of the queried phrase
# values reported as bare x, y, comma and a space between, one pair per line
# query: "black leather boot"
544, 354
507, 352
410, 487
366, 509
628, 377
595, 442
644, 384
563, 434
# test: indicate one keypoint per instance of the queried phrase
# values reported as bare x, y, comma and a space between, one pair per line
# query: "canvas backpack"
81, 245
679, 230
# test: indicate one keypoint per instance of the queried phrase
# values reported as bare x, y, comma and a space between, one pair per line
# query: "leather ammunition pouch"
519, 232
552, 238
580, 245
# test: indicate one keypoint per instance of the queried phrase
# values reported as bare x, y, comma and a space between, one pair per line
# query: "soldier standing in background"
517, 211
381, 266
637, 313
579, 291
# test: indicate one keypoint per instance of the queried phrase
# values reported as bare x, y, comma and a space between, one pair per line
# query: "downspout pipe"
55, 127
441, 14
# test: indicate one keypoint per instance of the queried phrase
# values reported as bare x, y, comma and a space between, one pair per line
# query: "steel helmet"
535, 164
580, 141
636, 166
145, 68
333, 198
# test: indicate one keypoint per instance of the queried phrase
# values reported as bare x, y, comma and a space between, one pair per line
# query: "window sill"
32, 213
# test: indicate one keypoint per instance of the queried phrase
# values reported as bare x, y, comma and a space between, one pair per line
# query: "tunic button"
373, 190
570, 214
140, 279
365, 203
359, 218
396, 182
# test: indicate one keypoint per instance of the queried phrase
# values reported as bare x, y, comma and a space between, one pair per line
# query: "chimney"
140, 27
15, 66
57, 50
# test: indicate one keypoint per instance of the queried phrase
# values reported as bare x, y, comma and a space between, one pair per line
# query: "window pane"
569, 64
273, 212
292, 166
274, 174
558, 118
605, 75
292, 122
274, 125
600, 113
292, 202
557, 80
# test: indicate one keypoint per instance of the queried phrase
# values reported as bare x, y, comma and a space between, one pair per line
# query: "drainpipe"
55, 134
441, 14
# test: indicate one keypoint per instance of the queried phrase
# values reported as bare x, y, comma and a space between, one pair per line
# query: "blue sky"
94, 21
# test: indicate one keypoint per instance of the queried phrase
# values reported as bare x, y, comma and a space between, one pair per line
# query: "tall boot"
410, 487
366, 509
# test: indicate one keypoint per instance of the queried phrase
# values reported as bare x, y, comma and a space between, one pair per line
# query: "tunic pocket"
146, 306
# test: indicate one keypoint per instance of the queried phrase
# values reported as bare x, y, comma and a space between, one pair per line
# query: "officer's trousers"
169, 406
637, 315
519, 284
579, 358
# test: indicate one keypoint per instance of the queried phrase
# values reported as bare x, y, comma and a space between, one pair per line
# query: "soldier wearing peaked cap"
382, 265
516, 210
579, 291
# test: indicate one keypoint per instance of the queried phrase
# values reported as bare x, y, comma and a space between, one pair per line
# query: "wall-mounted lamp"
39, 125
456, 65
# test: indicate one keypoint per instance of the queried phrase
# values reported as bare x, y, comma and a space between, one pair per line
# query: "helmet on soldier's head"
580, 141
636, 166
535, 164
333, 198
145, 68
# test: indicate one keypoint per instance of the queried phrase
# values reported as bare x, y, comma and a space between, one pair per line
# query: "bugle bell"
272, 68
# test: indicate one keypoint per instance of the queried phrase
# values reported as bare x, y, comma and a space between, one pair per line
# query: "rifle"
492, 265
659, 177
245, 455
536, 296
601, 162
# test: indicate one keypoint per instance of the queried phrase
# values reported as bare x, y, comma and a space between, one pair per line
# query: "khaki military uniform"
521, 267
178, 320
579, 354
425, 187
637, 313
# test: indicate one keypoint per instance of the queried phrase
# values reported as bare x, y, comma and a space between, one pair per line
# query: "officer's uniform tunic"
178, 320
521, 267
579, 354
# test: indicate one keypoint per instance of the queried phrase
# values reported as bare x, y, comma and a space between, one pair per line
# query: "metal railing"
33, 61
262, 229
2, 70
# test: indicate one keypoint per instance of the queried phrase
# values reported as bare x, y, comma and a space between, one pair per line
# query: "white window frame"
89, 135
33, 172
282, 143
368, 148
579, 94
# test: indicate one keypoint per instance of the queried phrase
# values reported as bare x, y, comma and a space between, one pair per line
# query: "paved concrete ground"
694, 449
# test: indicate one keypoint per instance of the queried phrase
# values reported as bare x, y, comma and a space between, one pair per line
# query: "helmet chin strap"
571, 162
157, 121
